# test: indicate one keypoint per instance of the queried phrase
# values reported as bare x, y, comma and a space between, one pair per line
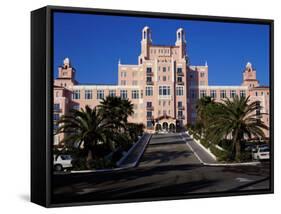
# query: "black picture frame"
42, 96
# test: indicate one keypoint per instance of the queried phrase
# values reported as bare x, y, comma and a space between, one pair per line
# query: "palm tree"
238, 118
202, 110
85, 128
116, 110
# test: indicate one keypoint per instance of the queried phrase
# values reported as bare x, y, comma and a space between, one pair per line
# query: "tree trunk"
237, 150
89, 159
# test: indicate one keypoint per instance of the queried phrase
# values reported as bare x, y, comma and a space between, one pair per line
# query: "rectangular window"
179, 79
213, 94
192, 94
135, 94
148, 91
164, 90
203, 93
148, 70
179, 91
149, 124
88, 94
56, 106
76, 107
76, 95
164, 69
242, 93
112, 93
56, 117
179, 70
179, 103
100, 94
135, 82
149, 113
222, 94
232, 93
164, 78
202, 74
123, 94
148, 79
123, 82
180, 113
149, 104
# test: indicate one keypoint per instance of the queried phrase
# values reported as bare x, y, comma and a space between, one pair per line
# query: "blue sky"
94, 43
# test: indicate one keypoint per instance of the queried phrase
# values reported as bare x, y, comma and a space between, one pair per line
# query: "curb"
203, 147
255, 163
118, 168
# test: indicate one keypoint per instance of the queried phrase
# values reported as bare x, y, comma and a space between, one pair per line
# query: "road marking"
191, 149
243, 179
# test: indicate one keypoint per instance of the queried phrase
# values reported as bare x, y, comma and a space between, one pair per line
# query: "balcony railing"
149, 108
181, 117
58, 110
180, 107
180, 82
149, 83
149, 73
180, 73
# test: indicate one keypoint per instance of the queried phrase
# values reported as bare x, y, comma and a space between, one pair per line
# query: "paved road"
168, 167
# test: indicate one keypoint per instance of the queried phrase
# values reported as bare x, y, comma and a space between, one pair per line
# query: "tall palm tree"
202, 110
238, 118
85, 128
116, 110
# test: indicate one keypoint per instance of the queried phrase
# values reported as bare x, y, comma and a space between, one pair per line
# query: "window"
149, 124
149, 104
179, 91
135, 94
149, 113
164, 78
243, 93
202, 82
223, 94
168, 68
180, 114
123, 82
164, 90
76, 95
76, 107
232, 93
56, 106
112, 93
88, 94
192, 94
123, 94
135, 82
100, 94
202, 74
148, 79
56, 117
202, 93
179, 79
123, 74
148, 70
213, 93
179, 103
257, 93
179, 70
148, 91
164, 69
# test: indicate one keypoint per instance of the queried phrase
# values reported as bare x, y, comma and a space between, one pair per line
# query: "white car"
261, 153
62, 162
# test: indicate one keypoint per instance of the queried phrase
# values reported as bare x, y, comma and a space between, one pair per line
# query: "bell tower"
66, 74
145, 42
249, 76
181, 42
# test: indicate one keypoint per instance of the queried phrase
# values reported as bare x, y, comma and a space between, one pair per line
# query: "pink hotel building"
163, 87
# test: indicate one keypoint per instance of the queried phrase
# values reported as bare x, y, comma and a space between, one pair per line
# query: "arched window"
144, 35
179, 35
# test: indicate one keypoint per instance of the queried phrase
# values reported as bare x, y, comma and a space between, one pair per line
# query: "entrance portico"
165, 123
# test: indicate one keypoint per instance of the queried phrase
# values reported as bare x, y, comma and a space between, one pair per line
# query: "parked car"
261, 152
62, 162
